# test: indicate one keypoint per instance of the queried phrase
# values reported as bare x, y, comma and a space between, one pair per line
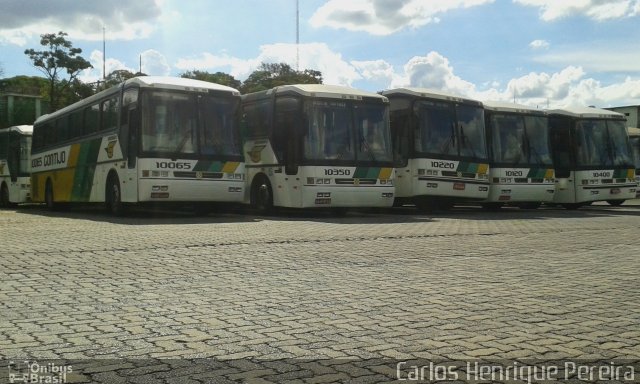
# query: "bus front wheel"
113, 196
615, 203
262, 195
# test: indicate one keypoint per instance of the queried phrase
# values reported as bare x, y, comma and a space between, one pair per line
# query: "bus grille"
198, 175
358, 182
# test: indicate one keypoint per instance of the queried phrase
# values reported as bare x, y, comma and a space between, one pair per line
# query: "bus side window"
91, 119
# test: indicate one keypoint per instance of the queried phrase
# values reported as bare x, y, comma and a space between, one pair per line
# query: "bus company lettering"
443, 164
513, 173
50, 159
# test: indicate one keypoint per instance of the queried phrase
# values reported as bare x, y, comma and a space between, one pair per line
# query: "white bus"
317, 146
591, 156
634, 140
521, 171
147, 140
439, 148
15, 165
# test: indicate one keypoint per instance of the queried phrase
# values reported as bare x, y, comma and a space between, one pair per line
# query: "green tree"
26, 85
59, 56
270, 75
118, 76
218, 77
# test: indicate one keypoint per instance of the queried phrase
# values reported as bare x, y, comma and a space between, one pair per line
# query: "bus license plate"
459, 186
615, 191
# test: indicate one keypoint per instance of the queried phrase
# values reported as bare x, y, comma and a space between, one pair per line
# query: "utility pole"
297, 35
104, 54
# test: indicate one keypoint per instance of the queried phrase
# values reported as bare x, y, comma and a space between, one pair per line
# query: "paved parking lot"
291, 298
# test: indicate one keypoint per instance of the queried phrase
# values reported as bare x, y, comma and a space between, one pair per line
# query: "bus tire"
425, 204
532, 205
492, 206
5, 202
113, 196
615, 203
262, 195
571, 206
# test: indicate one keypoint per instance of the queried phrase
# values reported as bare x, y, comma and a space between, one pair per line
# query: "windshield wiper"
366, 145
444, 148
531, 150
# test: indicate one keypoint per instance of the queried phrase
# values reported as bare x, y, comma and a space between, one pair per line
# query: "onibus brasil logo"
30, 371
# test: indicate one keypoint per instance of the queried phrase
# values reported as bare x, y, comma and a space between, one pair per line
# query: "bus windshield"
635, 147
219, 134
171, 124
332, 135
471, 132
438, 132
602, 143
518, 139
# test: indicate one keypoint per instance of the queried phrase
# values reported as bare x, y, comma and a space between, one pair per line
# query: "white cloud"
595, 57
21, 21
539, 44
316, 56
384, 17
378, 71
594, 9
569, 86
432, 71
94, 74
154, 63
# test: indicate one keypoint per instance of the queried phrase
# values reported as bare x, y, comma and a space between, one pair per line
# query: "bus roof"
179, 83
586, 113
21, 129
317, 90
633, 132
428, 94
501, 106
160, 82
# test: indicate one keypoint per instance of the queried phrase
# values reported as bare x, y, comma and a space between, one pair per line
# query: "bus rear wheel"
113, 196
615, 203
262, 195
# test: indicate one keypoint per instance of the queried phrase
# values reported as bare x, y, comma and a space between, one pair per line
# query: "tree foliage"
26, 85
118, 76
58, 57
218, 77
270, 75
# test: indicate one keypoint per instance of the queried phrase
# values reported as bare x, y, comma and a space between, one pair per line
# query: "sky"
543, 53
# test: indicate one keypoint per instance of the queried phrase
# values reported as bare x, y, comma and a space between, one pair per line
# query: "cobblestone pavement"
292, 297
